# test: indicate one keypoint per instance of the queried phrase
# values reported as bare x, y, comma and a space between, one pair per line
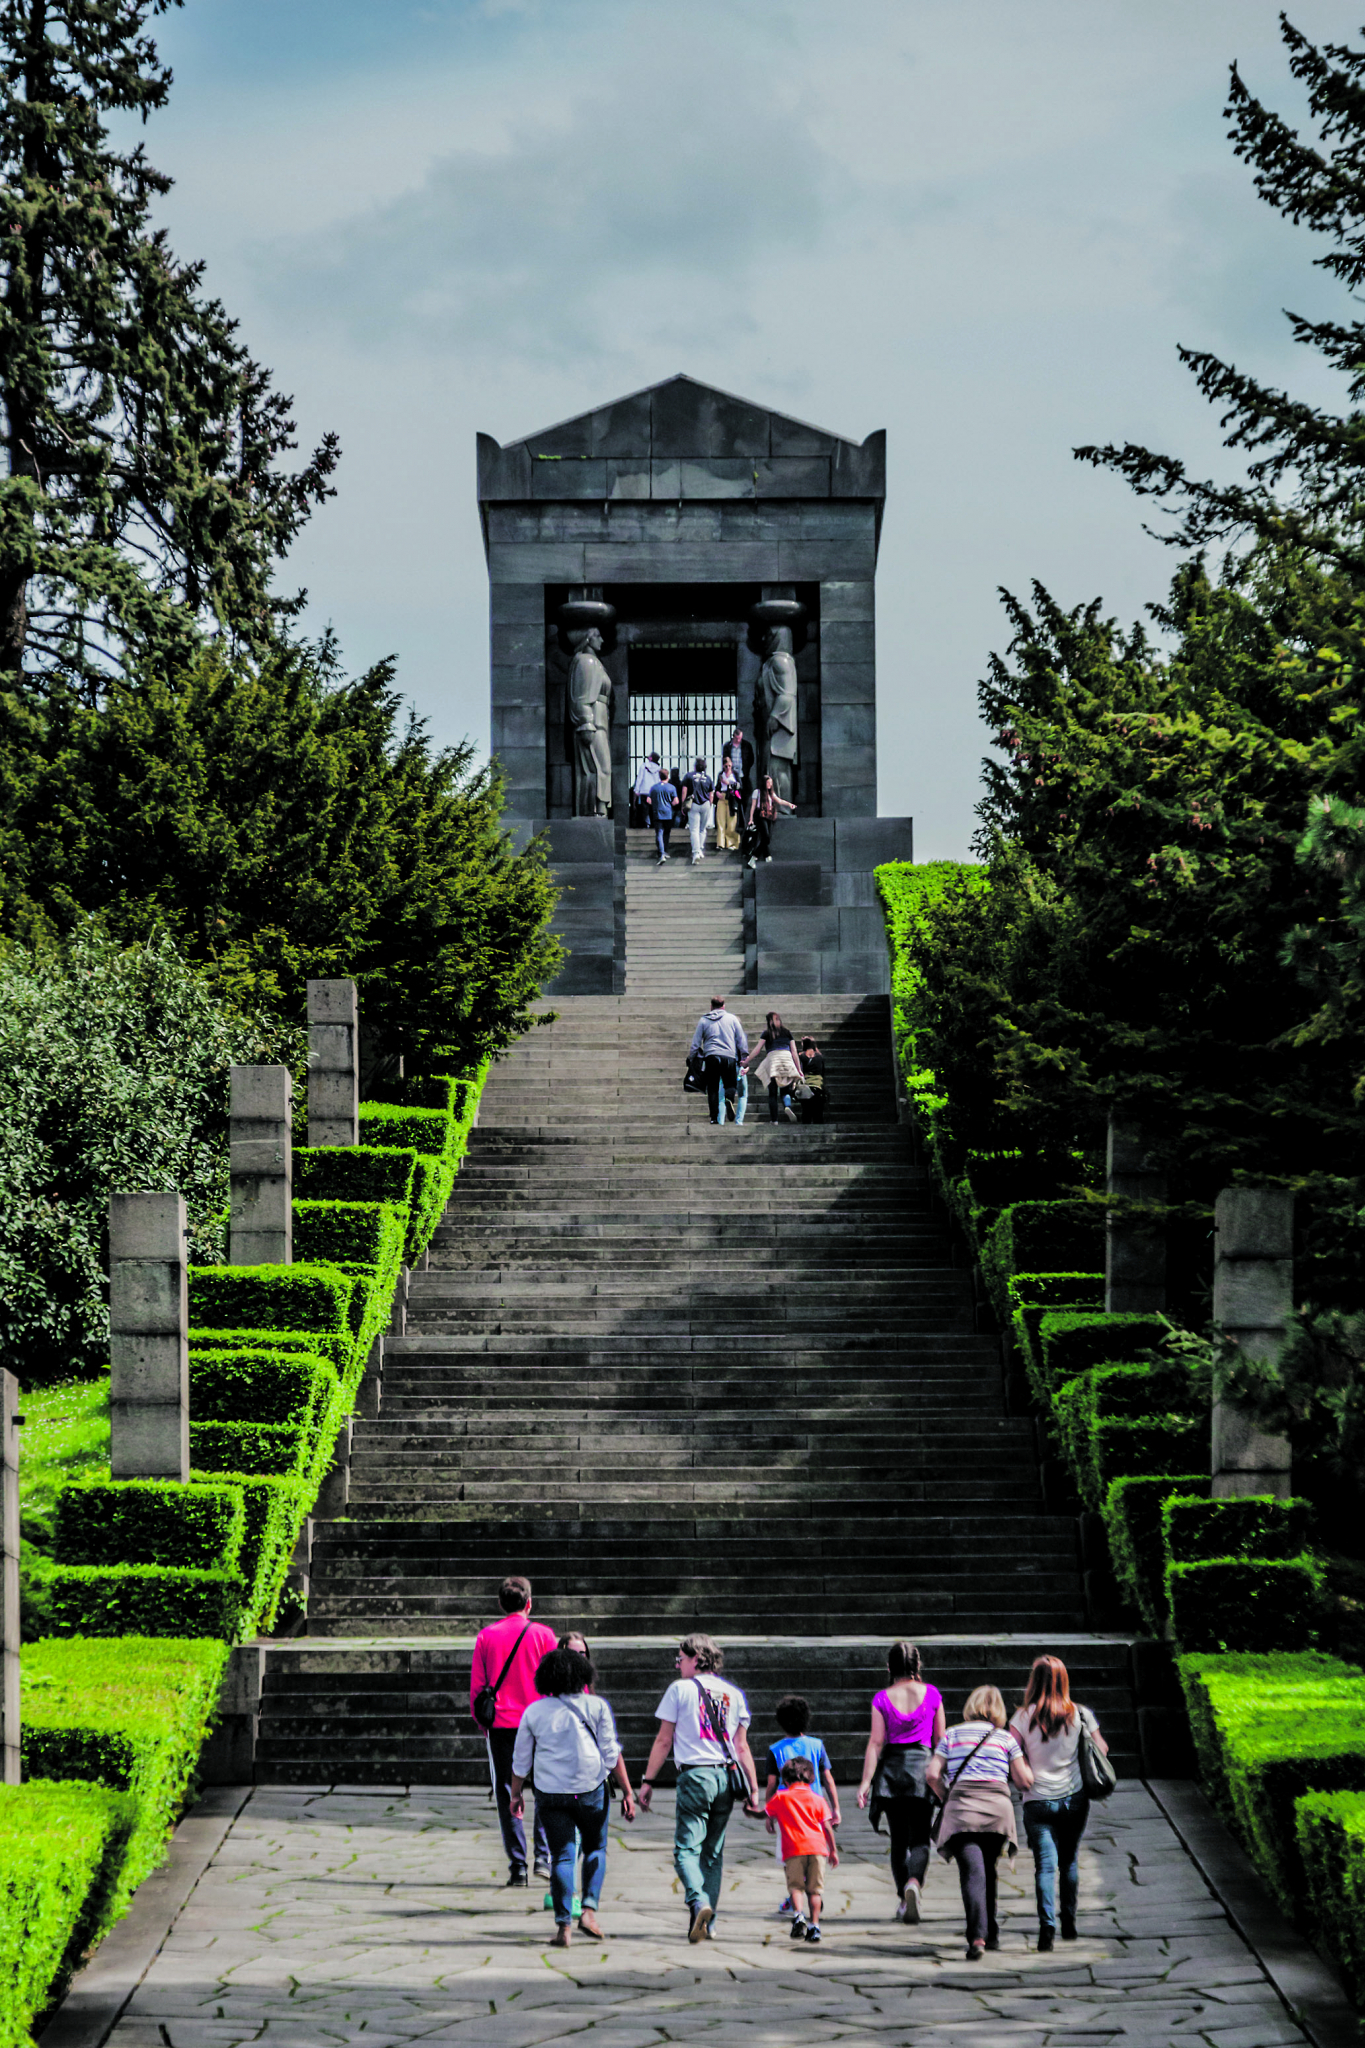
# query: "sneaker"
790, 1114
751, 863
662, 861
767, 860
993, 1943
543, 1870
701, 1920
975, 1951
695, 858
799, 1927
1045, 1940
813, 1931
517, 1878
910, 1902
786, 1909
1068, 1929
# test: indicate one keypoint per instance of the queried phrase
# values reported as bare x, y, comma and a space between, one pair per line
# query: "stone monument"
589, 706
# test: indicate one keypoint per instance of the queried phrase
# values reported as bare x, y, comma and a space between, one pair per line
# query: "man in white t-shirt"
700, 1716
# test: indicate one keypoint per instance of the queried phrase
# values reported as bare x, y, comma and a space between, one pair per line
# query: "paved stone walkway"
337, 1917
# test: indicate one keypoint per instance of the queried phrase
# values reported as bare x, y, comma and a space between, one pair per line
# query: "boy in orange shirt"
807, 1842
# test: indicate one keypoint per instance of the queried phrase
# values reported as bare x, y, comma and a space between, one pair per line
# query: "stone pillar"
10, 1419
333, 1063
1134, 1252
229, 1755
1253, 1294
149, 1382
262, 1216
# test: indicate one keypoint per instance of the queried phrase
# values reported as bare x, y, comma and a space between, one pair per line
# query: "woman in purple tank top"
907, 1721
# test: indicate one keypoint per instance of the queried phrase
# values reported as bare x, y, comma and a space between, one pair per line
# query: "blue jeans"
1054, 1828
703, 1814
567, 1816
741, 1096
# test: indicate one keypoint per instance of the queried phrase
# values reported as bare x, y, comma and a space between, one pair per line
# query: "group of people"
942, 1787
794, 1074
742, 811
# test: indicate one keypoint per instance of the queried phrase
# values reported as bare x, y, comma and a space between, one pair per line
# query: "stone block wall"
817, 923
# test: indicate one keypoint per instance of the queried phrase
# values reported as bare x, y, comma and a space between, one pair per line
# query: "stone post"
9, 1581
1253, 1294
1134, 1252
149, 1382
262, 1217
333, 1063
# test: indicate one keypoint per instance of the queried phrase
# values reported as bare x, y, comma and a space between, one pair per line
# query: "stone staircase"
683, 1377
684, 925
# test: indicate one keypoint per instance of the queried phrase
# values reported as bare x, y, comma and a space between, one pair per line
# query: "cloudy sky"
980, 224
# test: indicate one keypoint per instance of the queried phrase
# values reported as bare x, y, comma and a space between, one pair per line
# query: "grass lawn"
65, 1432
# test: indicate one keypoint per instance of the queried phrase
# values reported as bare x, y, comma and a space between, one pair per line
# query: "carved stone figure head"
780, 640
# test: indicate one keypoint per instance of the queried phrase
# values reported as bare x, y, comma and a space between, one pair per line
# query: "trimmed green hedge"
142, 1600
270, 1298
130, 1713
395, 1124
1132, 1521
1031, 1296
260, 1385
1108, 1393
60, 1851
148, 1521
342, 1233
1330, 1832
279, 1447
274, 1509
1267, 1729
353, 1173
1075, 1340
1041, 1237
337, 1347
1255, 1525
1245, 1603
1123, 1446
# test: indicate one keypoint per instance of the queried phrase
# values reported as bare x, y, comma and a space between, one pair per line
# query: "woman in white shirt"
1048, 1727
569, 1739
703, 1721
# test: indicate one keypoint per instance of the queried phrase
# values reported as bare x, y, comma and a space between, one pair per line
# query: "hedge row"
1330, 1829
61, 1847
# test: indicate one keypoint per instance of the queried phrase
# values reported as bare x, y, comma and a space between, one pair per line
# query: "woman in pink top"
907, 1721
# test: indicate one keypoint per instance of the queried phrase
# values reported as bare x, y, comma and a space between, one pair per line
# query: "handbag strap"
568, 1701
966, 1760
707, 1709
497, 1685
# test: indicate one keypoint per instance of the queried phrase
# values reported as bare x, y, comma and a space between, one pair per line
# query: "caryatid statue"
778, 686
590, 721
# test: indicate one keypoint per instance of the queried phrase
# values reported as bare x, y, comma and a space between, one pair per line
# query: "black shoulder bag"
1098, 1776
735, 1775
486, 1698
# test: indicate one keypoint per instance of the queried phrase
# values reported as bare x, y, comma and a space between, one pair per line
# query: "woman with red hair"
1048, 1727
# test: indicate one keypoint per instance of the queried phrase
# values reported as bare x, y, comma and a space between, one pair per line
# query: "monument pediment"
681, 439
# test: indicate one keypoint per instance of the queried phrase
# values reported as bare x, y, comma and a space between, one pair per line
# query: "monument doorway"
682, 704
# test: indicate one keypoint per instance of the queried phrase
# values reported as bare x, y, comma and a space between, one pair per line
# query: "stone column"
1253, 1294
9, 1578
1134, 1252
333, 1063
149, 1383
262, 1216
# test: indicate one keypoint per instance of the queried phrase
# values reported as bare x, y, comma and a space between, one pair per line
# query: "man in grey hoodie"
719, 1039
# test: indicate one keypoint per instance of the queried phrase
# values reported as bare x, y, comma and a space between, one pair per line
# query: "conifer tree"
1305, 477
144, 500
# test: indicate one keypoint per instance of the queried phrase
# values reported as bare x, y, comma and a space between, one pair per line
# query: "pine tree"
1305, 476
144, 502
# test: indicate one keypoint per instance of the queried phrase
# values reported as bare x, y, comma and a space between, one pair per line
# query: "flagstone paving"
331, 1917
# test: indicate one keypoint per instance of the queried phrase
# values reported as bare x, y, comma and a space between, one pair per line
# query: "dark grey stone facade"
682, 507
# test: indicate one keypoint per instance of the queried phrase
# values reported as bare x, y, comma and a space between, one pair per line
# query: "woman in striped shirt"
970, 1771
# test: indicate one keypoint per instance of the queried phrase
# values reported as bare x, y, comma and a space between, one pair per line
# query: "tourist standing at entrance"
649, 774
663, 798
701, 1717
720, 1042
764, 805
970, 1771
506, 1654
907, 1722
740, 755
569, 1738
698, 789
1049, 1726
727, 800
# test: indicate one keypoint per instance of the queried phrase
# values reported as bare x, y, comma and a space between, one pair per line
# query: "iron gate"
678, 727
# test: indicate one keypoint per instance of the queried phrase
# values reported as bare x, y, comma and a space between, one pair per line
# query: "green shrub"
280, 1447
432, 1186
337, 1347
273, 1507
269, 1298
1132, 1521
353, 1173
1041, 1237
260, 1386
1029, 1297
1267, 1729
1073, 1340
148, 1521
1245, 1603
391, 1124
1124, 1445
60, 1851
143, 1600
1257, 1525
130, 1713
1330, 1832
1107, 1392
342, 1233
